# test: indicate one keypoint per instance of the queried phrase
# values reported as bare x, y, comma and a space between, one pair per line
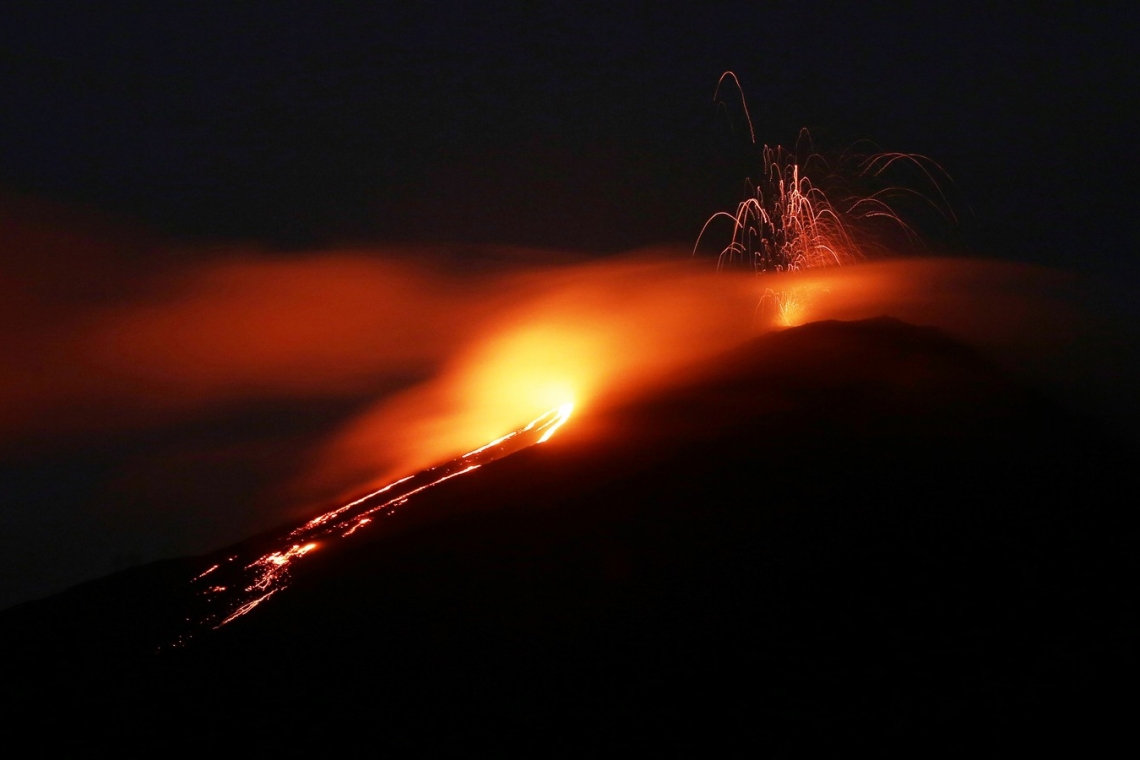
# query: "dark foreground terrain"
858, 534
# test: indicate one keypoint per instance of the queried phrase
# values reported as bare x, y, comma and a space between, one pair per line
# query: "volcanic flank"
848, 531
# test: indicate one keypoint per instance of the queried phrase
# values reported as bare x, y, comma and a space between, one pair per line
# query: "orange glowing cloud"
241, 328
577, 335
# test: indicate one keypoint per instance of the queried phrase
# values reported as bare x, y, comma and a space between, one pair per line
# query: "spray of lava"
788, 223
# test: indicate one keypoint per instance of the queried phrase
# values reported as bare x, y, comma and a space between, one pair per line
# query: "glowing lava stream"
237, 585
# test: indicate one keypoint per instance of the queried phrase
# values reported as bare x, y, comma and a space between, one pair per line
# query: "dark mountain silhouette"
855, 533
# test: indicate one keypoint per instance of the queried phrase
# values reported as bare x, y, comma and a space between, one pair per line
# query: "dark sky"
554, 125
558, 123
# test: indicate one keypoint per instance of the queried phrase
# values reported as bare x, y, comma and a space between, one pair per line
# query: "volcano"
854, 533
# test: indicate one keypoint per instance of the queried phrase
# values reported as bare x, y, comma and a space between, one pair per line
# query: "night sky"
560, 124
295, 126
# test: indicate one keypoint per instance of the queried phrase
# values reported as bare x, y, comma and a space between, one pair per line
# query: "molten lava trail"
235, 586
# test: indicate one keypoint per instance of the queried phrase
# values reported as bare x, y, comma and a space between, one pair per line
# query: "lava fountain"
790, 223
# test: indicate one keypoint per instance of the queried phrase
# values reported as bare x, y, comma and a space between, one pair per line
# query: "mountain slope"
852, 532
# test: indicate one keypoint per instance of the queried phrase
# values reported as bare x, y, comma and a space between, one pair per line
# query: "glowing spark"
207, 572
786, 307
360, 524
743, 104
247, 607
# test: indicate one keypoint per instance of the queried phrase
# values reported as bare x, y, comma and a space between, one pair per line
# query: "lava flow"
234, 587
